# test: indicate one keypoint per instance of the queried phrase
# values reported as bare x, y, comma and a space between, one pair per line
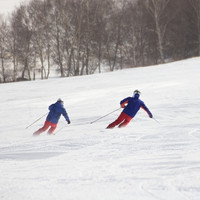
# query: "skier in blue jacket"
131, 106
56, 110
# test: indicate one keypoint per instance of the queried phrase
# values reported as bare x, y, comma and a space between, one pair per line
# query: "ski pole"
59, 130
156, 120
35, 121
104, 116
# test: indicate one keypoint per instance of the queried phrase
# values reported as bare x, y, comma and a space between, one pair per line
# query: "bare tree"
4, 54
38, 13
115, 36
79, 36
24, 33
196, 8
13, 46
156, 8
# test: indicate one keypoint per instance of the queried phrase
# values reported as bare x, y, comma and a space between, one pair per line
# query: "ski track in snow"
83, 161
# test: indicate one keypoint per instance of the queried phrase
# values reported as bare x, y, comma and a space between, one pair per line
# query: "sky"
146, 160
7, 6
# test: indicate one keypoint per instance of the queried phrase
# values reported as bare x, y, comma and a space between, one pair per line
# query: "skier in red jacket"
131, 106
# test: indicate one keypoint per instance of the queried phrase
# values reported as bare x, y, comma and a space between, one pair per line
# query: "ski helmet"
136, 92
60, 100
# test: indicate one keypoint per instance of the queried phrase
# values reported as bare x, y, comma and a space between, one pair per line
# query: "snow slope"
82, 161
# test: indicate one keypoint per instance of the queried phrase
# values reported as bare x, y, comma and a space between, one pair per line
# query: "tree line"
80, 37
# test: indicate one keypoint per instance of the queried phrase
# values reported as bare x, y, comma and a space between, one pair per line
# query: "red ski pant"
123, 120
47, 124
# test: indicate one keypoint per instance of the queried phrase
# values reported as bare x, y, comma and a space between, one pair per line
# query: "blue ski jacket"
133, 105
56, 110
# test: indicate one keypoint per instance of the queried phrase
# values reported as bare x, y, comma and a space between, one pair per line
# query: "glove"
69, 122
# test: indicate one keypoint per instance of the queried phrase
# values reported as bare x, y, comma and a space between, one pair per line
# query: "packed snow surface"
147, 160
